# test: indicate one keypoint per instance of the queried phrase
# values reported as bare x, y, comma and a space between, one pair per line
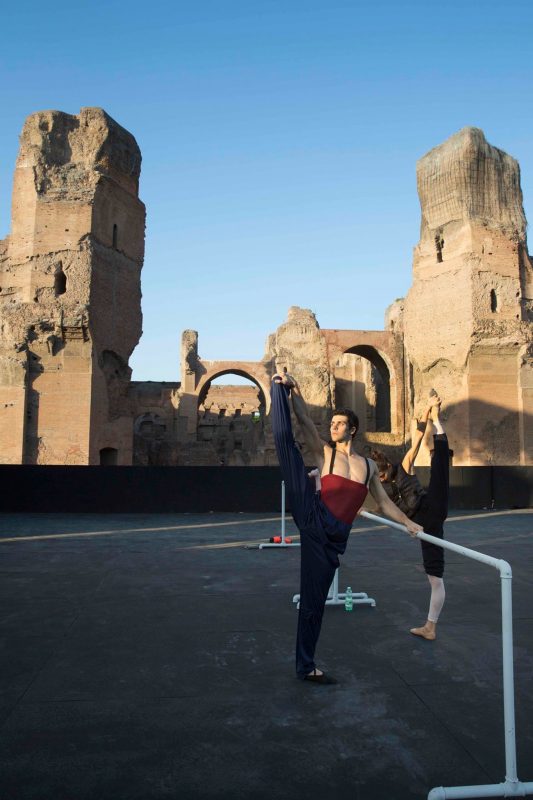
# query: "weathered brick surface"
70, 306
467, 317
70, 299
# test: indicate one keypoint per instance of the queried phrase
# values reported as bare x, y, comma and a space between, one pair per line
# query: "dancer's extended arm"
310, 434
309, 431
386, 506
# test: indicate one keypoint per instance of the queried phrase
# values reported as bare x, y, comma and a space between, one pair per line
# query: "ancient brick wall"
70, 313
467, 318
70, 299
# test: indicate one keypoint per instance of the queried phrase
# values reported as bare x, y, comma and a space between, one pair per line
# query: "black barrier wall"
202, 489
139, 489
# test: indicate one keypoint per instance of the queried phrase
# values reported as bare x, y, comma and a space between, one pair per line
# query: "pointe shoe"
424, 632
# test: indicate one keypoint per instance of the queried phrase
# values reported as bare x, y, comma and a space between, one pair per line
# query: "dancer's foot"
317, 676
435, 403
427, 631
437, 417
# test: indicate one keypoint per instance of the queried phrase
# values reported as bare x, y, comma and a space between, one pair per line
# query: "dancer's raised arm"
310, 434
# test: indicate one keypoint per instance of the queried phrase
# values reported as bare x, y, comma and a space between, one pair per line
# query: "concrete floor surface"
151, 656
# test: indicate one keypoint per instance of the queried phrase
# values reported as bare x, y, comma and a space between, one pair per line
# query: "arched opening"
493, 301
108, 457
231, 419
362, 382
149, 426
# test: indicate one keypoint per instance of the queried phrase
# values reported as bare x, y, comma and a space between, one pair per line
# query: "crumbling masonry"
70, 318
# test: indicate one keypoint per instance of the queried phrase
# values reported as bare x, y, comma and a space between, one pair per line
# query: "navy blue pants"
323, 537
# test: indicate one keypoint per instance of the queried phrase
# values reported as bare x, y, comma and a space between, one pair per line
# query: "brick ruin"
70, 300
468, 316
70, 318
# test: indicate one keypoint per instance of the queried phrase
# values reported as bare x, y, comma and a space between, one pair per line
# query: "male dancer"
324, 515
429, 508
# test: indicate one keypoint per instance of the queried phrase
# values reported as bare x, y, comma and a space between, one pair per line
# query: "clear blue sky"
279, 143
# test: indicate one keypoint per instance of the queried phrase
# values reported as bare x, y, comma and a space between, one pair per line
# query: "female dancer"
428, 508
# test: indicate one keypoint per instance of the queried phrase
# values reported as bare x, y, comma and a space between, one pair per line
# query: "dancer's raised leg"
317, 571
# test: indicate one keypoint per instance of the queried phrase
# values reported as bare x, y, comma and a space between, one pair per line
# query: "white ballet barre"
283, 542
336, 598
511, 787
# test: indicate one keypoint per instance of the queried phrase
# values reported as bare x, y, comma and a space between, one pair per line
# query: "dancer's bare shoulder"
347, 465
361, 469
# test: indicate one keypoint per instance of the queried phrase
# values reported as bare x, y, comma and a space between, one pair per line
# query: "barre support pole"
283, 542
336, 598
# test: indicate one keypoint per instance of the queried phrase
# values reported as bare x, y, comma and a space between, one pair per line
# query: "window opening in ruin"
108, 457
149, 438
115, 236
439, 244
238, 412
411, 390
222, 412
493, 301
60, 282
256, 416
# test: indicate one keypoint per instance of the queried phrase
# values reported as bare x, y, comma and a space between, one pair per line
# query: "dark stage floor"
149, 657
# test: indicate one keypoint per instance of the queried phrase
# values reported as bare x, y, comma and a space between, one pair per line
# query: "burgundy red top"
342, 496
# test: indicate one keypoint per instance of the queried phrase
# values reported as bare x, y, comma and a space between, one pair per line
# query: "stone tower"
468, 315
70, 292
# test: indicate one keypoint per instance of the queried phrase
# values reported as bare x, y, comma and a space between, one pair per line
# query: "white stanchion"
511, 787
283, 541
336, 598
